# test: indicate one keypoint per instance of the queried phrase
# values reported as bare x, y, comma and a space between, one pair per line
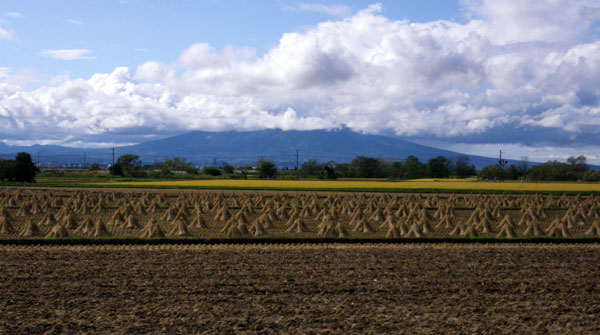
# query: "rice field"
257, 288
442, 184
184, 214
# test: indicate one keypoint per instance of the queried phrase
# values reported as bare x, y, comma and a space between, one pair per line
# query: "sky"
474, 76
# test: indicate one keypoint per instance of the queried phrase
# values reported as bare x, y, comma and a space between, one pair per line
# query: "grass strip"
277, 240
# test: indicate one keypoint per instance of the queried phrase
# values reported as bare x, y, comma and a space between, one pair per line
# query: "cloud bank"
523, 72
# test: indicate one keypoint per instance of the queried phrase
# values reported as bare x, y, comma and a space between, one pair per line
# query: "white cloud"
333, 10
438, 80
14, 15
75, 22
528, 20
18, 79
5, 34
150, 71
68, 54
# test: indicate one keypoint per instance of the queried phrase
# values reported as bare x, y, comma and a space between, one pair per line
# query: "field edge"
291, 241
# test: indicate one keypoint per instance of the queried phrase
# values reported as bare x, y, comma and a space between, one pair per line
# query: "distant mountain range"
204, 148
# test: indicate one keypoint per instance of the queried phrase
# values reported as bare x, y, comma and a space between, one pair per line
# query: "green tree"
413, 168
393, 169
244, 170
94, 167
578, 166
25, 170
552, 171
490, 172
179, 164
328, 171
524, 165
367, 167
266, 169
513, 172
128, 165
463, 168
343, 170
311, 168
591, 175
21, 169
213, 171
228, 168
439, 167
5, 169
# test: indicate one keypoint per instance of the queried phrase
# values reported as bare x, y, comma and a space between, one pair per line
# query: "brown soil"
308, 289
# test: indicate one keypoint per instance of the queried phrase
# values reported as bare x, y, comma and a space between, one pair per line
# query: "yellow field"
333, 184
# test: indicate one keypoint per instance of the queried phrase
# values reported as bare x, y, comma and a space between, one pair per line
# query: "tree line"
21, 169
129, 165
575, 169
410, 168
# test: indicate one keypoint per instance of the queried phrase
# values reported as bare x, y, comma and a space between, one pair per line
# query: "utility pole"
297, 165
84, 160
38, 158
113, 161
501, 163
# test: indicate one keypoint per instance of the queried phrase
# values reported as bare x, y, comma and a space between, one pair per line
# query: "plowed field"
314, 289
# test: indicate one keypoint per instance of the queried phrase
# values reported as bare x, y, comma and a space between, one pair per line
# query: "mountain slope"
339, 145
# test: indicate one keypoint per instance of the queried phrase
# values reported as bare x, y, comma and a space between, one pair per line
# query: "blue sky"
128, 33
472, 75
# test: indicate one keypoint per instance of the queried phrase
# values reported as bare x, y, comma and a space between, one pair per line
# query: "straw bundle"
30, 229
533, 229
180, 229
414, 231
58, 231
6, 227
594, 229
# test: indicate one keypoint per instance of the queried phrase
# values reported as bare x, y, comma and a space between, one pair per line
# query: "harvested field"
93, 214
326, 289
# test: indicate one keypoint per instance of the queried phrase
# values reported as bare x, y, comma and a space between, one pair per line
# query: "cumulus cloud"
68, 54
531, 20
333, 10
534, 83
150, 71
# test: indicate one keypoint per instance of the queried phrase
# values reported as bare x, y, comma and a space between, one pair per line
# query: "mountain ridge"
244, 147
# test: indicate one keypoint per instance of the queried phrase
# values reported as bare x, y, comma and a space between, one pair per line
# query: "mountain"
203, 148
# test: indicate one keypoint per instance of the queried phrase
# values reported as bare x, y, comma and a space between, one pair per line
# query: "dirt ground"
301, 289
